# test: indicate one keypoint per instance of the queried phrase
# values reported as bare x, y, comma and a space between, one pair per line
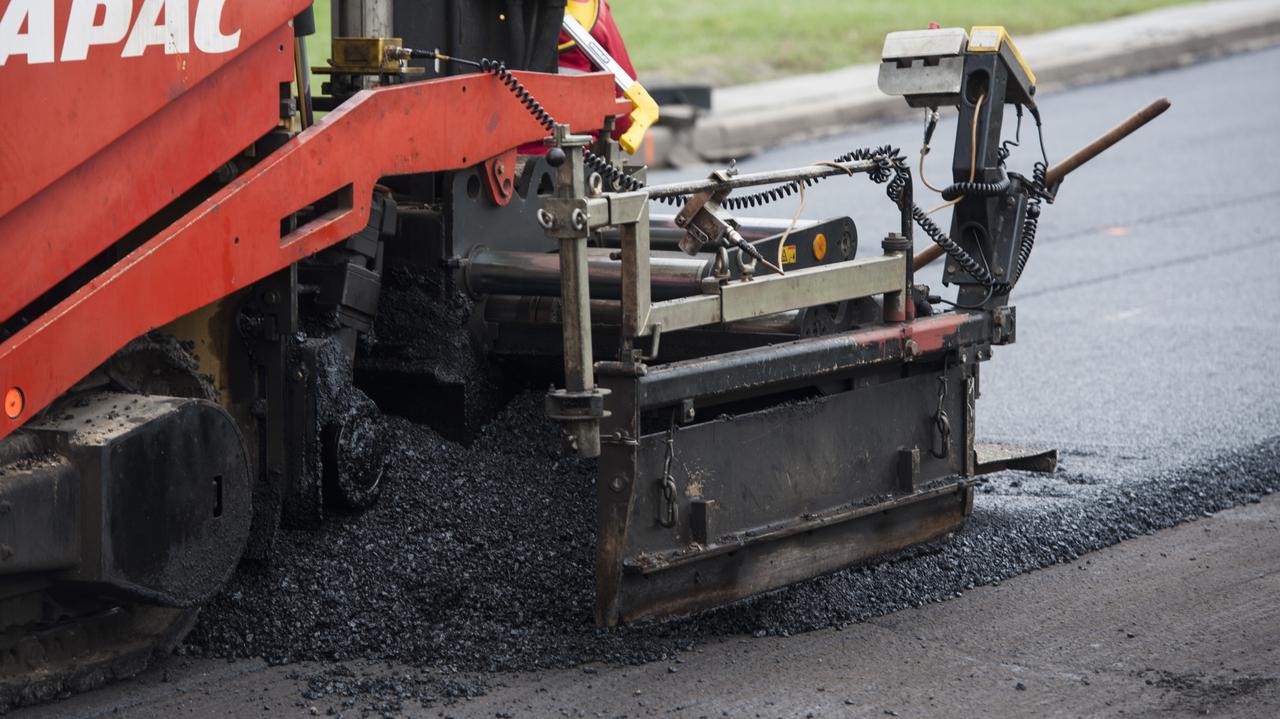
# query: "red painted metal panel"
55, 232
233, 239
61, 109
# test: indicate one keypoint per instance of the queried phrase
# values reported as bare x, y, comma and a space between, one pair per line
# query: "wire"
791, 226
930, 124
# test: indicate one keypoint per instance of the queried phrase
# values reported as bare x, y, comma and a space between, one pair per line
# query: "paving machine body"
192, 258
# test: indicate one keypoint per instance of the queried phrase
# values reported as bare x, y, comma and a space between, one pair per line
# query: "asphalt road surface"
1147, 352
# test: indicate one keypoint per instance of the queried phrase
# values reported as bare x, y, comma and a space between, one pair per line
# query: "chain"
668, 512
942, 423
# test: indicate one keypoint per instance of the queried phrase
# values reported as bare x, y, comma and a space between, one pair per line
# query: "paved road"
1147, 347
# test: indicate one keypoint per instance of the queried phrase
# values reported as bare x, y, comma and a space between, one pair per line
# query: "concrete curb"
748, 118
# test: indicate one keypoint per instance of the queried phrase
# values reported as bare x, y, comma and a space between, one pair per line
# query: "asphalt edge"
717, 137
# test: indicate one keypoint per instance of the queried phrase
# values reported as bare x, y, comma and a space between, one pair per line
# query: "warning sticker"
788, 254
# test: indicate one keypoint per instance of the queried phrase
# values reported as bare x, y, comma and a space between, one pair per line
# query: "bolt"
500, 169
299, 374
596, 183
270, 297
619, 483
953, 268
910, 349
999, 271
545, 219
579, 220
680, 220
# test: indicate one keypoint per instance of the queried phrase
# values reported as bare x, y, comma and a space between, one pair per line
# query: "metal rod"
925, 256
760, 178
1112, 136
1074, 161
496, 272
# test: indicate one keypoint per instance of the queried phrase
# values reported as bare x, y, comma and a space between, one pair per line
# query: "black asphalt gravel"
1147, 353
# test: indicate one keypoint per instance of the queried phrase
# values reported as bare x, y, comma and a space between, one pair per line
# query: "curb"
749, 118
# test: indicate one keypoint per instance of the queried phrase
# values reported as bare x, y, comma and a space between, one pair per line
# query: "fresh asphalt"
1147, 353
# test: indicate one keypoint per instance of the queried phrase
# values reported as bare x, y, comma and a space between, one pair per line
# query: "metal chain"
942, 423
668, 512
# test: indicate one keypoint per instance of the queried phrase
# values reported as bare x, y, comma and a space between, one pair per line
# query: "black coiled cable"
517, 88
1031, 222
976, 189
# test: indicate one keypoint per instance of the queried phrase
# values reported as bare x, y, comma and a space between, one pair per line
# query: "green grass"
318, 44
726, 42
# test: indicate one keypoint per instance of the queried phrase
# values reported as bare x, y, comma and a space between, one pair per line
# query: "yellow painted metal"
989, 38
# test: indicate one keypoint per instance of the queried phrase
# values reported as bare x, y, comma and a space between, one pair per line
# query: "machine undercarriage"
769, 400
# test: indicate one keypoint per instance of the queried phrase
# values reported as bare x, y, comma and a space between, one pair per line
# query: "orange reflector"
820, 247
14, 403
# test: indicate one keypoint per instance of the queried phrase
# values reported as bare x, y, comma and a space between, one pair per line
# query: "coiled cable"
957, 190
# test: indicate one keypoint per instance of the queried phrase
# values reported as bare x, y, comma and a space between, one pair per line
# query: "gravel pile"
474, 558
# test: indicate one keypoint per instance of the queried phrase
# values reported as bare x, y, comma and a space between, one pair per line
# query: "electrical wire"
973, 161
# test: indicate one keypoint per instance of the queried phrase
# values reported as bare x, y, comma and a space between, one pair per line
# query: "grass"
739, 41
724, 42
318, 44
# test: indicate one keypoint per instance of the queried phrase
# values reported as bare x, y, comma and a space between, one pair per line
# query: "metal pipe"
1111, 137
772, 177
494, 272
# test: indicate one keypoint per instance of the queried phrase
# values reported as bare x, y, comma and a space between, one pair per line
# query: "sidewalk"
747, 118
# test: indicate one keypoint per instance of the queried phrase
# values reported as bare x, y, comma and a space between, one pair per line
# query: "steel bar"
494, 272
740, 300
773, 177
1111, 137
